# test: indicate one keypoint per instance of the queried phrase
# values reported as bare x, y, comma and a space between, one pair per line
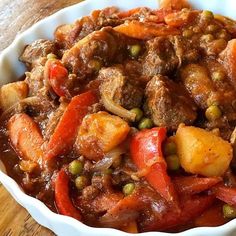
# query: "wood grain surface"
15, 17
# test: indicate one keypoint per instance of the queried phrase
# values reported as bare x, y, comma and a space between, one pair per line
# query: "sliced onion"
116, 109
20, 106
108, 159
103, 164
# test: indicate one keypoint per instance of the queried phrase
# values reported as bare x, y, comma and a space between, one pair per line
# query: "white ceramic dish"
11, 69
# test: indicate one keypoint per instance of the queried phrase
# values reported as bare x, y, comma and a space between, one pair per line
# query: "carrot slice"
147, 30
63, 201
180, 18
174, 4
211, 217
159, 15
25, 137
129, 13
64, 136
193, 184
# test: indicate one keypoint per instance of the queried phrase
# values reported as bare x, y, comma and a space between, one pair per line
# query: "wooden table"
15, 17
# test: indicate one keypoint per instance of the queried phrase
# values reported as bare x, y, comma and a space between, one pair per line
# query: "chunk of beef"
120, 90
213, 48
228, 59
100, 47
168, 104
67, 35
184, 49
160, 58
35, 79
39, 48
98, 197
206, 90
165, 54
199, 85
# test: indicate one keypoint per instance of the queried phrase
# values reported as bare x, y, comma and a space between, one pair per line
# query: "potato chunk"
12, 93
202, 152
99, 133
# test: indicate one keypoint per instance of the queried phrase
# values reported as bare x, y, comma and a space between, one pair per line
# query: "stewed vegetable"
126, 119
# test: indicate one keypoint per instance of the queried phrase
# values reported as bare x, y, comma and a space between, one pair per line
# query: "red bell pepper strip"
63, 201
64, 135
190, 209
129, 207
192, 184
145, 148
57, 76
211, 217
225, 194
126, 210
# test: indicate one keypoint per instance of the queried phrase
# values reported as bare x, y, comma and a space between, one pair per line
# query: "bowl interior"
11, 69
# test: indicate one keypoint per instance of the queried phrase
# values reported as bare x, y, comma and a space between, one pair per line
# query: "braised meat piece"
160, 58
35, 78
121, 91
168, 104
67, 35
209, 85
198, 83
185, 50
89, 54
39, 48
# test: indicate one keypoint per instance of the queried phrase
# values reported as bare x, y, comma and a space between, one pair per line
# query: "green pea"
128, 189
173, 162
145, 123
220, 44
211, 28
223, 35
213, 112
217, 76
95, 64
138, 112
207, 15
135, 50
81, 182
229, 211
170, 148
207, 37
51, 56
187, 33
76, 167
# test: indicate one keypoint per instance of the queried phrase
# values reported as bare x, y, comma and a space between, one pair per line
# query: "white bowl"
11, 69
